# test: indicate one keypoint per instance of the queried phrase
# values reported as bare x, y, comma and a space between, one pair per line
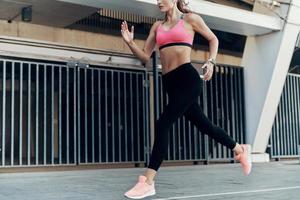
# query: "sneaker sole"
150, 193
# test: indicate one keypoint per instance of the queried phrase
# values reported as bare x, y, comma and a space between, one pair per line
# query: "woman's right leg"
174, 110
171, 113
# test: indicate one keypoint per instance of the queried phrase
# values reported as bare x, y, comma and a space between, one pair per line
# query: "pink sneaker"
245, 159
141, 189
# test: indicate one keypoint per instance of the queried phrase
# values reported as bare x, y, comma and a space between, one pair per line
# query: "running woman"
174, 38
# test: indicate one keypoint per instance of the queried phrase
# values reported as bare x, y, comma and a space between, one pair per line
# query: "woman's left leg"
242, 152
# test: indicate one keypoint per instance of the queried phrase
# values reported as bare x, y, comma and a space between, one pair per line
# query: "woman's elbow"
215, 40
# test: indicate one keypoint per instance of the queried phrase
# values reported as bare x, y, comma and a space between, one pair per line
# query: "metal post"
155, 80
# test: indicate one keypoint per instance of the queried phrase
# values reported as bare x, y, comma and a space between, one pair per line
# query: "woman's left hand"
209, 70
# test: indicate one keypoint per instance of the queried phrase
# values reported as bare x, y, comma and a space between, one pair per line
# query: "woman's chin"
162, 10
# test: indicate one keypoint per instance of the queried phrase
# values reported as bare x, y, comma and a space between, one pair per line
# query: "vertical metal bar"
138, 116
218, 108
221, 72
273, 136
293, 117
289, 146
36, 116
221, 108
290, 106
68, 113
278, 120
232, 105
293, 137
227, 118
281, 110
196, 137
283, 139
181, 122
3, 113
45, 114
205, 110
283, 124
239, 104
198, 140
236, 98
12, 134
21, 116
131, 118
93, 117
174, 136
112, 116
60, 114
52, 114
79, 110
242, 104
147, 136
214, 118
174, 142
179, 139
295, 142
119, 117
190, 137
145, 131
298, 110
240, 111
85, 118
75, 115
125, 118
106, 121
99, 115
29, 116
155, 85
287, 118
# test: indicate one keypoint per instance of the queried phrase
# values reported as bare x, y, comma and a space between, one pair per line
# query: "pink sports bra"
177, 35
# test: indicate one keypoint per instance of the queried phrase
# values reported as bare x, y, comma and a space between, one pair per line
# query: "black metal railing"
284, 141
37, 109
58, 114
112, 115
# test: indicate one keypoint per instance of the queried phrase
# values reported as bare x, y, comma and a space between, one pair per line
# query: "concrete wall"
88, 40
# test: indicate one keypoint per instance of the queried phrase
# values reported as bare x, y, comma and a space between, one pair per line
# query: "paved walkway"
276, 181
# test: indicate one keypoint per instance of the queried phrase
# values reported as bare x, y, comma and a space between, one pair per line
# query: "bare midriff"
174, 56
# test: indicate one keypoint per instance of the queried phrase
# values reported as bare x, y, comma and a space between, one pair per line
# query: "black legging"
183, 86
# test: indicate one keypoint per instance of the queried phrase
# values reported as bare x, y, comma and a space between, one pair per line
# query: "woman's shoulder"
191, 17
156, 24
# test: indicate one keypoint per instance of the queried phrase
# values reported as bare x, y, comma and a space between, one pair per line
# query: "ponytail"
182, 6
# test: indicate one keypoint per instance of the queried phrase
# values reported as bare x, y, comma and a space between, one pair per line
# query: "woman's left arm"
200, 27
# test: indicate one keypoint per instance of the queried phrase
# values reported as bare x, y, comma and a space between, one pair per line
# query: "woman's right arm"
145, 53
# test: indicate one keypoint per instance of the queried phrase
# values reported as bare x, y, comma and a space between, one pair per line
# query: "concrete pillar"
266, 60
